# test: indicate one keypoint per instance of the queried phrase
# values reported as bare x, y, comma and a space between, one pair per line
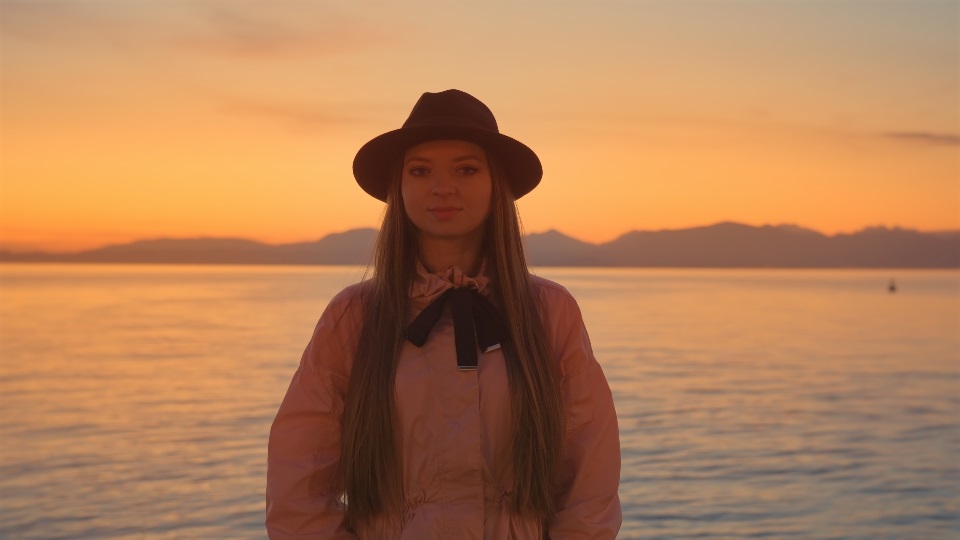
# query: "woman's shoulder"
551, 291
336, 332
563, 321
345, 310
555, 300
351, 297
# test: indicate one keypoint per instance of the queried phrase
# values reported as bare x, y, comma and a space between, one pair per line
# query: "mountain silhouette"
720, 245
783, 246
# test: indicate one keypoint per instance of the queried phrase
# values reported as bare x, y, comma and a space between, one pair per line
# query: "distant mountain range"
719, 245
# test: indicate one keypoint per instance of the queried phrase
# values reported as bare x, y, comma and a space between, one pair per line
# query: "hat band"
446, 121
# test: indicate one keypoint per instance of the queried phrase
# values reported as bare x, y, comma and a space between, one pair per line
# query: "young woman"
453, 395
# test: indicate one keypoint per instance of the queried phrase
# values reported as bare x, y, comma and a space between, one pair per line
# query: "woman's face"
446, 188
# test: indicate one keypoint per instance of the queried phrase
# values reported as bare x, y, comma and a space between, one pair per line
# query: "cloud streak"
64, 24
213, 27
308, 116
950, 139
283, 30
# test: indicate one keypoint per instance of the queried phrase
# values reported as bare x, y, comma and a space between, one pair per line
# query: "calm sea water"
136, 400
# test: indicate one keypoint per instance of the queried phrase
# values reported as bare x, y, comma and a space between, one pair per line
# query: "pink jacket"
454, 427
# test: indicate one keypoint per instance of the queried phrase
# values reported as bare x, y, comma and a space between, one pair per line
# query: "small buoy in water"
892, 287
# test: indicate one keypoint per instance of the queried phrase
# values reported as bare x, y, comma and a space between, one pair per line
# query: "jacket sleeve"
589, 505
304, 448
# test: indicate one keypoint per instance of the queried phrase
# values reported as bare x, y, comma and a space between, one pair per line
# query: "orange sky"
128, 120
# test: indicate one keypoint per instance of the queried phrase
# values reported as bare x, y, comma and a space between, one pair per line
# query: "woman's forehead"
445, 148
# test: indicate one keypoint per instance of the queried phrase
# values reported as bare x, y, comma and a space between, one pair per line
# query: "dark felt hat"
450, 114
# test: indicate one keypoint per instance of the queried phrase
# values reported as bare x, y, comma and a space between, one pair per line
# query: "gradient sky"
137, 119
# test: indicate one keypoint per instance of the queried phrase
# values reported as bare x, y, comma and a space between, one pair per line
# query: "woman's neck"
439, 253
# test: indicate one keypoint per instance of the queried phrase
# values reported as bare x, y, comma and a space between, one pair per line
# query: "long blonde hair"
370, 463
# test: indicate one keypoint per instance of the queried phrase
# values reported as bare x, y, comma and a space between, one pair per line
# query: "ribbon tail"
464, 334
490, 331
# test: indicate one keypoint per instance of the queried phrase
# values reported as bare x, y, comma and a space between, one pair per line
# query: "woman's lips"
444, 213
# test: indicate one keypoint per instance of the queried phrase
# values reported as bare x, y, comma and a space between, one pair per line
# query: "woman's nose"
443, 184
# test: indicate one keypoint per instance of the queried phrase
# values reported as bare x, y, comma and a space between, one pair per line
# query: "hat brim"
371, 166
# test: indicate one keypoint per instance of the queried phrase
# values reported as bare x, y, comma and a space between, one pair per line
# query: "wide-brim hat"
451, 114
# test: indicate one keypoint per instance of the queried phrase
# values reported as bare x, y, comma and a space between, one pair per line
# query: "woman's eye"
418, 171
468, 169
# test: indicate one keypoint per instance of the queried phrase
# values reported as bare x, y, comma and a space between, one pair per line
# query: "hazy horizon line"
4, 247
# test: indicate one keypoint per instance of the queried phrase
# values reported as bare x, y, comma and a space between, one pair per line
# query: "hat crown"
447, 115
451, 108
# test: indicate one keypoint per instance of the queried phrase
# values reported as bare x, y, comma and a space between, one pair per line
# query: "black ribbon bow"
475, 320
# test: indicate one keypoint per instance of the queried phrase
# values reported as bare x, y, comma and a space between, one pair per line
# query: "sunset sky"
131, 119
